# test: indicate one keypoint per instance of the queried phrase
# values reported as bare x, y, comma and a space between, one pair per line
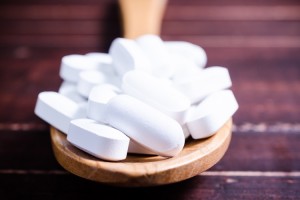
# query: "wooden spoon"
140, 17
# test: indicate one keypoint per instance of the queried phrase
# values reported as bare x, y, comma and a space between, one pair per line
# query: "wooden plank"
58, 11
248, 150
172, 28
236, 12
27, 150
239, 41
173, 2
232, 28
58, 41
253, 151
173, 12
95, 41
49, 186
234, 2
60, 27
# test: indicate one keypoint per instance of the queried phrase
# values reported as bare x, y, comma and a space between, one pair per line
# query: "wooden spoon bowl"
140, 17
144, 170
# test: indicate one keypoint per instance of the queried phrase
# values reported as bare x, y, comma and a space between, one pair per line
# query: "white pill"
210, 80
97, 101
186, 131
97, 139
211, 114
156, 93
72, 65
136, 148
89, 79
158, 54
127, 55
184, 69
188, 50
145, 125
58, 110
104, 61
102, 58
69, 89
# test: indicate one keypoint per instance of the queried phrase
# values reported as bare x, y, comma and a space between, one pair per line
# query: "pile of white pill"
145, 96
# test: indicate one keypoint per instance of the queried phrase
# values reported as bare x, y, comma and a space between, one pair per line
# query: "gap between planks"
207, 173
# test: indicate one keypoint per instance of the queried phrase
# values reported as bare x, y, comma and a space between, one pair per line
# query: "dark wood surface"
258, 41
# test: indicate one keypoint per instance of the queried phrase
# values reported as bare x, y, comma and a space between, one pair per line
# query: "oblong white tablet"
136, 148
69, 90
184, 69
102, 58
210, 80
89, 79
145, 125
211, 114
98, 99
158, 54
72, 65
99, 140
58, 110
104, 61
156, 93
127, 55
189, 50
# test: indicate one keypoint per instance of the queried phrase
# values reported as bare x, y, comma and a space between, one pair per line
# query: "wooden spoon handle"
141, 17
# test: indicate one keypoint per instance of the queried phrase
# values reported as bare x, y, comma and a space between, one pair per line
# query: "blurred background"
258, 41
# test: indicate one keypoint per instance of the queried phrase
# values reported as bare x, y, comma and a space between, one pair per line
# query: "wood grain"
265, 72
140, 171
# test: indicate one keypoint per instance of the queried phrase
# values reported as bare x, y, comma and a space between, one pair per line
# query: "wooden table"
258, 41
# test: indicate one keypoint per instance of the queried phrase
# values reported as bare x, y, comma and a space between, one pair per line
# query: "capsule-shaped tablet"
136, 148
156, 93
211, 114
104, 59
98, 99
189, 50
69, 89
158, 54
58, 110
145, 125
89, 79
99, 140
184, 70
210, 80
127, 55
72, 65
104, 62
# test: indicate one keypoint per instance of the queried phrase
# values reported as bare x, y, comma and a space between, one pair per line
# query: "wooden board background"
258, 41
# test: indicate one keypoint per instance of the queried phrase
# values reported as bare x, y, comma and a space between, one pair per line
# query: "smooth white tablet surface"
210, 80
98, 99
158, 54
58, 110
89, 79
72, 65
156, 93
189, 50
184, 69
104, 62
136, 148
145, 125
211, 114
69, 90
127, 55
97, 139
186, 131
101, 58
